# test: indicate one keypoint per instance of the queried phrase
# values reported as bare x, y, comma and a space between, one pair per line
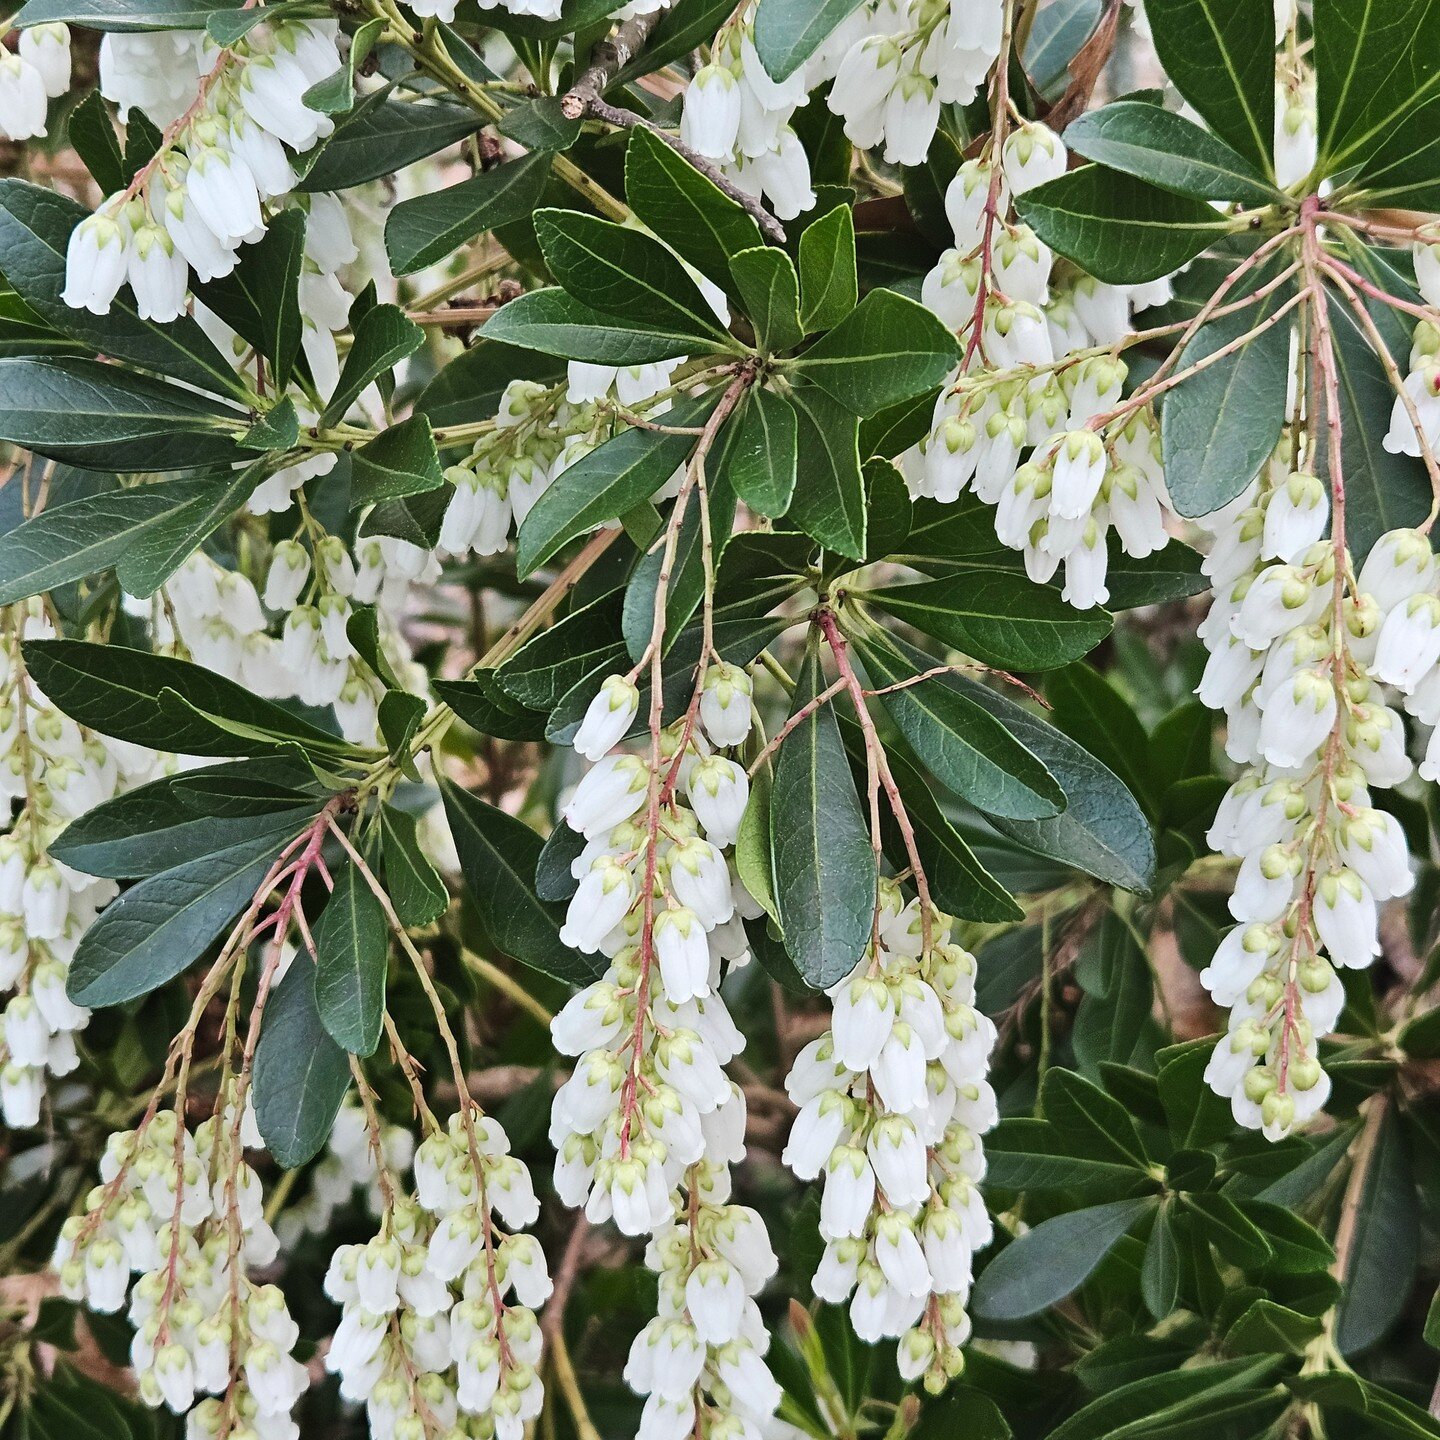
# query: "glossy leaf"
829, 499
352, 947
554, 322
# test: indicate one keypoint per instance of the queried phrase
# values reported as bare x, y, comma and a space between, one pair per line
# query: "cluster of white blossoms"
345, 1171
31, 76
186, 1214
225, 157
1307, 660
427, 1335
736, 115
646, 1127
51, 771
893, 1101
896, 62
1041, 372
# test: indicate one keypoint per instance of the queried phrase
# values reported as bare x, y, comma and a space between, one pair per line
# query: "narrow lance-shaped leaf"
351, 950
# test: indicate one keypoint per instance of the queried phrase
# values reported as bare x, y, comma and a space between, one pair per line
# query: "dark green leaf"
624, 272
788, 32
541, 125
125, 14
1168, 150
382, 135
1221, 56
885, 350
415, 889
1222, 1223
422, 231
92, 134
352, 948
554, 322
301, 1074
335, 94
824, 866
399, 461
686, 209
829, 500
1118, 228
770, 294
1051, 1261
756, 453
1160, 1274
1092, 1122
828, 284
498, 857
1218, 427
607, 483
383, 338
159, 927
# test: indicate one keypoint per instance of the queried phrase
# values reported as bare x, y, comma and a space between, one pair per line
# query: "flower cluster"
1304, 658
185, 1212
52, 771
735, 114
700, 1362
426, 1334
225, 157
893, 1101
899, 61
32, 75
1042, 372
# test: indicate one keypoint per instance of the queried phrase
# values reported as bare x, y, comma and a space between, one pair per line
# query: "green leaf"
422, 231
301, 1074
161, 825
541, 125
1222, 1223
159, 927
473, 383
1179, 1404
1118, 228
960, 884
1103, 830
683, 27
35, 226
824, 867
498, 858
1056, 35
1385, 1246
1088, 708
260, 297
555, 323
352, 949
383, 338
966, 747
1385, 1414
686, 209
754, 856
828, 284
399, 461
278, 428
67, 542
1168, 150
607, 483
770, 294
1160, 1273
93, 137
756, 453
103, 417
382, 135
122, 15
118, 691
335, 94
788, 32
161, 547
885, 350
415, 889
1027, 1155
998, 617
1221, 56
1377, 91
1382, 491
1218, 427
1092, 1122
1053, 1260
829, 500
624, 272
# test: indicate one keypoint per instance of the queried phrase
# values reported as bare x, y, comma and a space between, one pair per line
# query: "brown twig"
608, 58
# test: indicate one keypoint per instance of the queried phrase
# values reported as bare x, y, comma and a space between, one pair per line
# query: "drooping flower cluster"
736, 115
893, 1101
1305, 660
226, 157
646, 1127
32, 75
185, 1212
895, 64
427, 1335
700, 1362
51, 772
1041, 372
